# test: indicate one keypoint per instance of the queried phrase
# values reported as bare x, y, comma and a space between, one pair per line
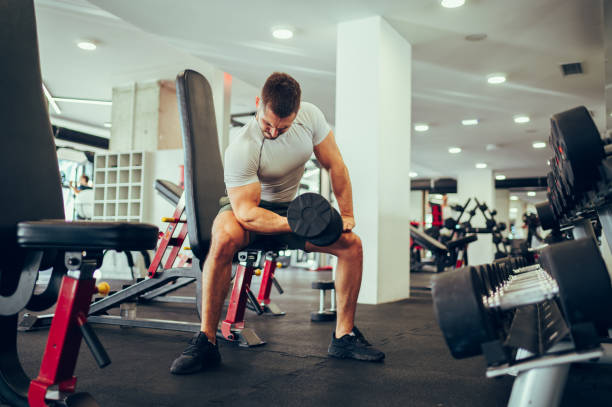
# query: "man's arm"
245, 201
328, 154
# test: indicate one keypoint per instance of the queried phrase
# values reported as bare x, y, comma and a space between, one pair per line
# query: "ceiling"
141, 40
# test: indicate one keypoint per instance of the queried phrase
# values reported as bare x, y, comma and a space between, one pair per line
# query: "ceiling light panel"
521, 119
496, 78
282, 33
454, 150
452, 3
87, 45
538, 144
421, 127
481, 165
500, 177
469, 122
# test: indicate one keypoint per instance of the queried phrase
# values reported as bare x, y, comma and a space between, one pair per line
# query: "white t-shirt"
277, 164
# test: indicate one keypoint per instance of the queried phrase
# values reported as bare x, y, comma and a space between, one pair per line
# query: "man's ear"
257, 100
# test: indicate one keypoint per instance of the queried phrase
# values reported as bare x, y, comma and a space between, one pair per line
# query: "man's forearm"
259, 220
341, 185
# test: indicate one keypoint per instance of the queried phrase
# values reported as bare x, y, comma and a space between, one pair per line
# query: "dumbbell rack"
496, 313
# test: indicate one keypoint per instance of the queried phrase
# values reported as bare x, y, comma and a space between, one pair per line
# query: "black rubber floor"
292, 369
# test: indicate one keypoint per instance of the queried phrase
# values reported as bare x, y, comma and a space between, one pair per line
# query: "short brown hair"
281, 93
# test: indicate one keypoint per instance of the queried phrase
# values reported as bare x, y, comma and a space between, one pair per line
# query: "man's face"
271, 125
83, 181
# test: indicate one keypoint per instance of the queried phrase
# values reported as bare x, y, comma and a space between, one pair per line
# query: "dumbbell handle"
531, 286
518, 298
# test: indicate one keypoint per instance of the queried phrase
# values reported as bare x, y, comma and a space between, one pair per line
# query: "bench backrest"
204, 184
31, 182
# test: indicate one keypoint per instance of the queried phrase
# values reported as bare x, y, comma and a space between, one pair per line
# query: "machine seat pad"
461, 241
169, 190
85, 235
428, 242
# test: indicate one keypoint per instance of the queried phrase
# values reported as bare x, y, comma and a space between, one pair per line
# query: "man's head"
84, 180
279, 104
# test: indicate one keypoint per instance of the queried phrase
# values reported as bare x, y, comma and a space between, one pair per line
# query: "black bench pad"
428, 242
86, 235
169, 190
461, 241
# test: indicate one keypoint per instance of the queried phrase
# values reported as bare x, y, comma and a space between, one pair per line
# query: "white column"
373, 100
478, 184
502, 205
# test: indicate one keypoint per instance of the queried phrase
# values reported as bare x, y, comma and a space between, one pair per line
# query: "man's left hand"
348, 223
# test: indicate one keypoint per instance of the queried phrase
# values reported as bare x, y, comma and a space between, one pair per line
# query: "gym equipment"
450, 254
73, 249
312, 216
324, 314
469, 302
204, 187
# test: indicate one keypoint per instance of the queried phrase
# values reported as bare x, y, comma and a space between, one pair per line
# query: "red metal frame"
167, 239
64, 340
263, 297
234, 318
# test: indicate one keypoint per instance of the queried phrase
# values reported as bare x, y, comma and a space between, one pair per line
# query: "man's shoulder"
244, 142
308, 108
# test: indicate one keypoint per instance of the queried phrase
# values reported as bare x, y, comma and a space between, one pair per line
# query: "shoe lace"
360, 338
196, 346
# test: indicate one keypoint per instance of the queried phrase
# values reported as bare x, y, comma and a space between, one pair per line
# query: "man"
83, 184
263, 168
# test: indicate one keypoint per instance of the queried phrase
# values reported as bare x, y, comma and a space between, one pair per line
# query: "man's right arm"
245, 200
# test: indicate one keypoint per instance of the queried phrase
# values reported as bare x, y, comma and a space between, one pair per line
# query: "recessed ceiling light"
452, 3
454, 150
413, 174
491, 147
496, 78
513, 209
87, 45
539, 144
421, 127
481, 165
531, 193
108, 125
500, 177
514, 198
282, 33
521, 118
469, 122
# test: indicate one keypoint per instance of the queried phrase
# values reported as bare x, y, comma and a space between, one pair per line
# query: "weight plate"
309, 214
579, 147
460, 312
584, 283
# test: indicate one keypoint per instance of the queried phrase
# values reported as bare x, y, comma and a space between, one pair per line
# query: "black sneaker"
354, 347
200, 354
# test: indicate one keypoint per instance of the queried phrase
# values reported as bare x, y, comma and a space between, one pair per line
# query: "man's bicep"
244, 197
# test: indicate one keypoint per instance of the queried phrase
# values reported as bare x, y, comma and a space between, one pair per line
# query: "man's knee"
350, 243
227, 238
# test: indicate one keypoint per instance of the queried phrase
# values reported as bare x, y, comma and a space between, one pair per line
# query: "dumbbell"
548, 219
579, 148
312, 217
323, 314
470, 302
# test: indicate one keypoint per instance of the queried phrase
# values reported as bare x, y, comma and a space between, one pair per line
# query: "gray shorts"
283, 240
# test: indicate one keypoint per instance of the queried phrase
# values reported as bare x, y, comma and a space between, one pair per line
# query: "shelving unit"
118, 186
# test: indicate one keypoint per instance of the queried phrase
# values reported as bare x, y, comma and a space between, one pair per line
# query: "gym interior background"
455, 120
